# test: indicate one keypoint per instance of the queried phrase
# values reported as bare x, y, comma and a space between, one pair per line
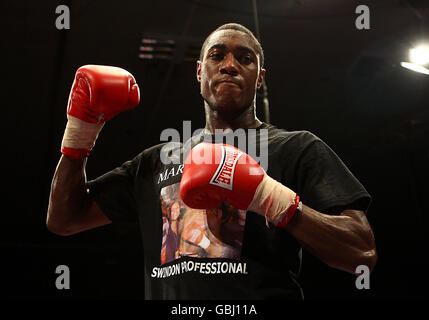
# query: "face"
230, 72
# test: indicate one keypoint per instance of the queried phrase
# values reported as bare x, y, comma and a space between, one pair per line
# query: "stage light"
419, 55
418, 58
415, 67
157, 49
169, 47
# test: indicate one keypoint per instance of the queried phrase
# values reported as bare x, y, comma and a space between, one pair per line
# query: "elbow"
365, 258
368, 253
59, 229
353, 263
369, 258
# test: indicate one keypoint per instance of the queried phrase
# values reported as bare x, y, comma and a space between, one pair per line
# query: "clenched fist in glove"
98, 94
218, 172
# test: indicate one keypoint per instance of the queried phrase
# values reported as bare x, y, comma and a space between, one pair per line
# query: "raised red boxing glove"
218, 172
98, 94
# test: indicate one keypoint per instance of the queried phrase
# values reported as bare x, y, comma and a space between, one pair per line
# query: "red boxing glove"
98, 94
214, 173
218, 172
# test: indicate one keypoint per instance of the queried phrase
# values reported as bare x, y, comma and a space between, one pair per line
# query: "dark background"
323, 75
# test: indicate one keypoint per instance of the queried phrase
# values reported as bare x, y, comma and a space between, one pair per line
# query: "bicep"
358, 216
360, 225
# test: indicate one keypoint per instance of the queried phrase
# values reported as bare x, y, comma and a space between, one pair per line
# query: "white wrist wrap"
272, 199
80, 134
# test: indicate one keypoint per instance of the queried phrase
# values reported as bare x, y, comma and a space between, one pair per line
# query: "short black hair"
238, 27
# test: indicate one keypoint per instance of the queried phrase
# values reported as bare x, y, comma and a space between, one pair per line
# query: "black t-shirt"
224, 253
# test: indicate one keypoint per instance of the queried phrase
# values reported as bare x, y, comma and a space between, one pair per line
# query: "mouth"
229, 83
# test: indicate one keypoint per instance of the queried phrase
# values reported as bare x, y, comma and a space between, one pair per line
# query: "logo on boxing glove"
224, 174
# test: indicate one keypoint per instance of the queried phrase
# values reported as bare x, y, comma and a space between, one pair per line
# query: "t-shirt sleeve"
114, 192
325, 183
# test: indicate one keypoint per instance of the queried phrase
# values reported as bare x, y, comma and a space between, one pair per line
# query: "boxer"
251, 223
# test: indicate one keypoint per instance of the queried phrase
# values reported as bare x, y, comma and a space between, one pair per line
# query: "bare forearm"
68, 196
341, 241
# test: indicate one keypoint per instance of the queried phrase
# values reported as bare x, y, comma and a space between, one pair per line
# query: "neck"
221, 120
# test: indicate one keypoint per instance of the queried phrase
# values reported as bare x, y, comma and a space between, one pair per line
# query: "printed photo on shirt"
212, 233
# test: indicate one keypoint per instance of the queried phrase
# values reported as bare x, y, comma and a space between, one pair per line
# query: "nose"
229, 65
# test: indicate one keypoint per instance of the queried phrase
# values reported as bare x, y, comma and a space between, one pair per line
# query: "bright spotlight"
415, 67
419, 55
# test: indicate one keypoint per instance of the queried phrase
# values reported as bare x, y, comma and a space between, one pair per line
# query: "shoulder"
145, 159
153, 149
154, 157
156, 151
300, 139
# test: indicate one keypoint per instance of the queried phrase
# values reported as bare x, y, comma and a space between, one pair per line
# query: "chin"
226, 107
230, 112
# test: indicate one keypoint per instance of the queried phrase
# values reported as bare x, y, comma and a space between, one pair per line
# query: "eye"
216, 55
247, 59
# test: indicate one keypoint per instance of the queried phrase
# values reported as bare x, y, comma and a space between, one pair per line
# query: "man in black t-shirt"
214, 249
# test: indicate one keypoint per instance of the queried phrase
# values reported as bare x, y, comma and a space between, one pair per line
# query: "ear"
199, 71
261, 78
